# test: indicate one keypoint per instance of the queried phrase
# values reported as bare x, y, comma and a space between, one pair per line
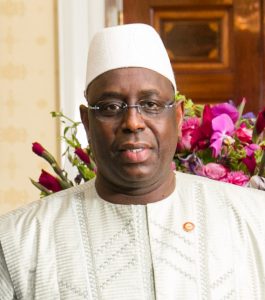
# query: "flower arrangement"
217, 141
221, 143
79, 158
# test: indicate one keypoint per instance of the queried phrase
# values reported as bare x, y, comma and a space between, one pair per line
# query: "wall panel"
28, 92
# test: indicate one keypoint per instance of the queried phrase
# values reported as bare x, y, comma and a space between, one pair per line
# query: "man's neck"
142, 196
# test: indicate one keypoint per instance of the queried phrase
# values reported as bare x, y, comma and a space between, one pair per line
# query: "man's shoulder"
246, 203
229, 189
44, 210
214, 192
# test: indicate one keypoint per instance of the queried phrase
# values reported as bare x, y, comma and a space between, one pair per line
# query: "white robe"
74, 245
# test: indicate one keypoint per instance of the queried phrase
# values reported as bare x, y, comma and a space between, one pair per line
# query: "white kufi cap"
132, 45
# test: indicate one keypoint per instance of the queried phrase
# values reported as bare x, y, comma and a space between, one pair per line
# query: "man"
139, 230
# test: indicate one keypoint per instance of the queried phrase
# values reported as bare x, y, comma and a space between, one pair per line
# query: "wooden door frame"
254, 70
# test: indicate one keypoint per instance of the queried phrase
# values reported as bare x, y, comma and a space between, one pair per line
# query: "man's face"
133, 149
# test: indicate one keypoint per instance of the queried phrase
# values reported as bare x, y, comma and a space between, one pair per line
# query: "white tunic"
74, 245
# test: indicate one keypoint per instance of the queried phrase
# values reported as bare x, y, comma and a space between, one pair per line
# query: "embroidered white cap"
131, 45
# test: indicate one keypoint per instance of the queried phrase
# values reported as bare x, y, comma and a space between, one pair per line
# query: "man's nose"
132, 120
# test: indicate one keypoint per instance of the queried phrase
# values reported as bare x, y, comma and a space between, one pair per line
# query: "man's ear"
84, 118
179, 116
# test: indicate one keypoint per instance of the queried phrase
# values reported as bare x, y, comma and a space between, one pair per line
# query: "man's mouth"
134, 150
133, 153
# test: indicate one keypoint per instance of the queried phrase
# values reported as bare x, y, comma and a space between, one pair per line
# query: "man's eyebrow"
145, 93
108, 95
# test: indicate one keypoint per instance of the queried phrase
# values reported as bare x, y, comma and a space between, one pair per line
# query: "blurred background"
216, 48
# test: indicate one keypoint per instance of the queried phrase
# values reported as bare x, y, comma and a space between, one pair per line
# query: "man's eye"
110, 107
151, 105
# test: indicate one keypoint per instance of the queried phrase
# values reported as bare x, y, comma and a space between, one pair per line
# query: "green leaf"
240, 111
56, 114
43, 189
70, 142
86, 173
66, 130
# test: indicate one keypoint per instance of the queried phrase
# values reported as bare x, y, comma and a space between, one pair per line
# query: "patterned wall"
28, 92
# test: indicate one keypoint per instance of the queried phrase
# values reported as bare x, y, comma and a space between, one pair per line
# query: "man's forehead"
140, 79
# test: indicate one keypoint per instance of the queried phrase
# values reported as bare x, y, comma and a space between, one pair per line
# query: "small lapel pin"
188, 226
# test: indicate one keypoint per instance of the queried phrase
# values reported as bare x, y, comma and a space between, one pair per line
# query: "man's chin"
138, 174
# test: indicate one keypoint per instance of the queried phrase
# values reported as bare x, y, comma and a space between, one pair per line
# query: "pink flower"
250, 160
82, 154
223, 127
188, 127
214, 171
236, 177
201, 135
244, 134
225, 108
42, 152
37, 148
260, 123
250, 149
49, 181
